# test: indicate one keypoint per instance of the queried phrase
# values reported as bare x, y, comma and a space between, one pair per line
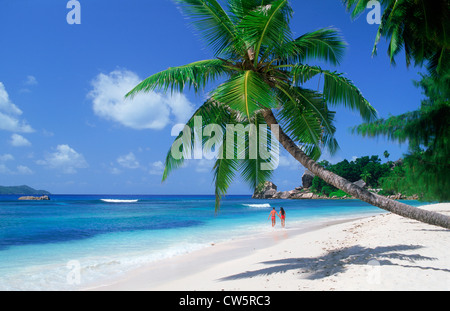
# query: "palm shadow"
336, 261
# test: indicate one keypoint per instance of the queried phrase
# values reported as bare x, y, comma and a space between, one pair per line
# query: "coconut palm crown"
262, 72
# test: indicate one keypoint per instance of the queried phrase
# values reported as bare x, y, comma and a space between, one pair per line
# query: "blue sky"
64, 127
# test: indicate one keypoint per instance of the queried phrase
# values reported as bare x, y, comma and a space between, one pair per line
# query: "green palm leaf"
256, 168
241, 8
323, 44
267, 27
224, 174
419, 27
305, 117
255, 162
246, 92
195, 75
257, 57
213, 23
210, 113
337, 89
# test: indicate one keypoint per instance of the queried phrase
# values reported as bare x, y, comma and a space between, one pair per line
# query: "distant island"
22, 190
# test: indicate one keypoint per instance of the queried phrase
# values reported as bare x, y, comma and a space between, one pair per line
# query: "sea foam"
265, 205
118, 201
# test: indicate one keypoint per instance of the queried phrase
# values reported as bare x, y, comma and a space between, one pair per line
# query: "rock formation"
270, 191
307, 179
31, 198
267, 191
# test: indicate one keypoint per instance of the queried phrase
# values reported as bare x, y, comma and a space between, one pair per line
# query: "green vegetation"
409, 176
426, 165
420, 28
369, 169
26, 190
263, 69
264, 72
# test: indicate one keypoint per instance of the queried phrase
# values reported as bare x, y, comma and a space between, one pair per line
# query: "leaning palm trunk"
265, 68
339, 182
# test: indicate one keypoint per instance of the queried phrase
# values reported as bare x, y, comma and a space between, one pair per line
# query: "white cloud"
4, 169
156, 168
10, 113
24, 170
21, 169
31, 80
204, 165
65, 159
180, 106
289, 162
6, 157
145, 111
128, 161
115, 171
19, 141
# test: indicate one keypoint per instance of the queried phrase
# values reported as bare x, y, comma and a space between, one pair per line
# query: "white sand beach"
384, 252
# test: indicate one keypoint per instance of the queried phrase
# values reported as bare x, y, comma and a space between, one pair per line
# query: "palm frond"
241, 8
357, 7
258, 164
195, 75
337, 90
419, 27
224, 174
267, 26
305, 116
246, 92
211, 113
213, 23
255, 161
323, 44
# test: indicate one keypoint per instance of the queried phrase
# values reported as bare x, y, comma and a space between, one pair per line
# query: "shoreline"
381, 252
159, 274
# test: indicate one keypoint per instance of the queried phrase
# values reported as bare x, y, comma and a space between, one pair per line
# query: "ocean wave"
265, 205
118, 201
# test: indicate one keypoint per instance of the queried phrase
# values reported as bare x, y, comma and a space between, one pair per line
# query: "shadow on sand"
336, 261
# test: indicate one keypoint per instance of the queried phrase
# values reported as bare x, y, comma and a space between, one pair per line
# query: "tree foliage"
419, 27
260, 66
427, 131
370, 169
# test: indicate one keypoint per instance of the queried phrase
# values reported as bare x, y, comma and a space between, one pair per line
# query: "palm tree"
366, 176
263, 73
420, 27
427, 132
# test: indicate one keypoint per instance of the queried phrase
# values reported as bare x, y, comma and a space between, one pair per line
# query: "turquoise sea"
73, 241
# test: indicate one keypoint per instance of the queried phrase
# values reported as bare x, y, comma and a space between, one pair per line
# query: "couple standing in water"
282, 216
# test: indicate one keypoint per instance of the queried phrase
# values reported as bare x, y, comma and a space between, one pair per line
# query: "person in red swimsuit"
273, 213
283, 217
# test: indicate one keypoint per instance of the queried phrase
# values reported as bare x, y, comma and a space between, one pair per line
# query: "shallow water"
76, 240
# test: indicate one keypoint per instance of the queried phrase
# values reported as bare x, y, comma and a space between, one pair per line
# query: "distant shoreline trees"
370, 169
